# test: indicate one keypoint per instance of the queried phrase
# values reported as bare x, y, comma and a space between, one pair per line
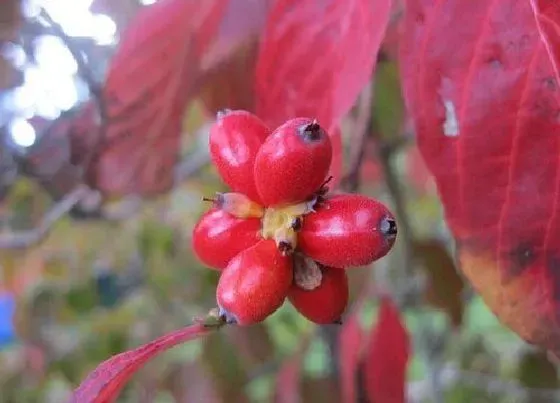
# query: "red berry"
326, 303
235, 139
293, 162
254, 284
218, 237
348, 230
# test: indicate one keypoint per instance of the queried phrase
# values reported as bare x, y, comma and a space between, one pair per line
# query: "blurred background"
84, 276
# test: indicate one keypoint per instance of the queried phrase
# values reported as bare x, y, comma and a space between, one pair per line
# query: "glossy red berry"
348, 230
326, 303
235, 139
254, 284
218, 237
293, 162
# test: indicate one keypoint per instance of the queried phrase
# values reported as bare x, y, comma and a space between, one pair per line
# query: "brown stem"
25, 239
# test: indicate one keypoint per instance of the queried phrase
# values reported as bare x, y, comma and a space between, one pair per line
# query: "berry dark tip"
218, 201
388, 227
285, 248
337, 322
228, 317
222, 113
312, 131
297, 224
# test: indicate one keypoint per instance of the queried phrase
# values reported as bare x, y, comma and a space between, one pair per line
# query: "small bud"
237, 204
388, 227
312, 131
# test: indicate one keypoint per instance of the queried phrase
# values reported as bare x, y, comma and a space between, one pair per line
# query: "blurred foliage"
95, 288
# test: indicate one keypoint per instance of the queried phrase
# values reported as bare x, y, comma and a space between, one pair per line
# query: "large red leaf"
316, 56
105, 383
386, 357
484, 98
150, 80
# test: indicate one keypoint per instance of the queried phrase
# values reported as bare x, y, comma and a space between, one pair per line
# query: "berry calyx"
348, 230
307, 272
254, 284
236, 204
235, 139
293, 162
326, 303
282, 224
218, 237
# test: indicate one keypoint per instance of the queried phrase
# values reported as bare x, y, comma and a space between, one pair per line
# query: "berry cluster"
280, 233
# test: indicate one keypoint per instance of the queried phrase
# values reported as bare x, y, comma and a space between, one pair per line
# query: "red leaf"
229, 84
316, 56
229, 66
150, 80
104, 384
485, 101
350, 350
386, 358
243, 22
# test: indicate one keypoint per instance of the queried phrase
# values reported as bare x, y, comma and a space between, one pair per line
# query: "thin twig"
386, 151
362, 125
25, 239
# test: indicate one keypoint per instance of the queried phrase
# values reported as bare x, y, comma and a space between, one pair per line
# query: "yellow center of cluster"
283, 223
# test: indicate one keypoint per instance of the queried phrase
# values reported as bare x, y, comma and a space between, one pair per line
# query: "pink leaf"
350, 348
150, 80
104, 384
387, 357
316, 56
